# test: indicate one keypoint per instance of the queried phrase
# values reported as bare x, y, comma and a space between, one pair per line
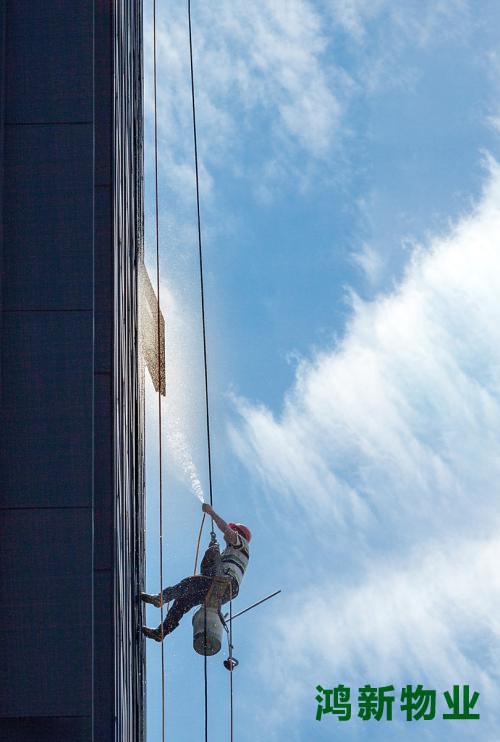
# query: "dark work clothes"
193, 590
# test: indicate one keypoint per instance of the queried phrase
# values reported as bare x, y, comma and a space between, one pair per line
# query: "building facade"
71, 418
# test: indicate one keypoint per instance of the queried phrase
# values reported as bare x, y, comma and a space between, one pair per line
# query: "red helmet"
241, 529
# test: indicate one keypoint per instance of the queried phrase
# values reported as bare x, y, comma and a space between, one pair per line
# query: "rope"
205, 363
231, 657
200, 254
229, 665
202, 297
160, 448
198, 544
205, 672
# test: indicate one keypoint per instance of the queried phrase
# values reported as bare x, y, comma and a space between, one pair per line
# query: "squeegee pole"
254, 605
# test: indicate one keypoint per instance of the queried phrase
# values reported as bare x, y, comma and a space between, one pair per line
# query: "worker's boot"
155, 599
168, 626
152, 633
152, 599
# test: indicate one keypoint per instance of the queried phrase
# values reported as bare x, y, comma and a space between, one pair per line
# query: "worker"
193, 590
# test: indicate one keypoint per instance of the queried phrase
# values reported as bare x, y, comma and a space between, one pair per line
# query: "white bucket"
213, 641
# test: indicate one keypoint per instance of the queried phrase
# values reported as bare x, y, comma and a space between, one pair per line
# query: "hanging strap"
160, 447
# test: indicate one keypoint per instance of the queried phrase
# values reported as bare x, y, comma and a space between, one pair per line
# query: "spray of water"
180, 449
184, 369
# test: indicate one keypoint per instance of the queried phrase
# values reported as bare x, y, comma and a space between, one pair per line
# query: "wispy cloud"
355, 15
418, 20
370, 261
407, 392
261, 75
430, 617
387, 449
386, 34
274, 83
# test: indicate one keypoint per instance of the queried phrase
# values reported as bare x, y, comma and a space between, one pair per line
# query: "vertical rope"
231, 658
200, 254
160, 447
205, 672
202, 297
198, 544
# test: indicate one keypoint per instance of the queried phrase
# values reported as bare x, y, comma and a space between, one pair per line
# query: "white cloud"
430, 618
406, 394
387, 33
273, 84
370, 261
354, 15
494, 122
387, 451
260, 74
418, 20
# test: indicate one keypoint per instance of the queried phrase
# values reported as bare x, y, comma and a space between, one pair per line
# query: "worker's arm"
230, 536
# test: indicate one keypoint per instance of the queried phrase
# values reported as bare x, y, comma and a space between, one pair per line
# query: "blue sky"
350, 186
